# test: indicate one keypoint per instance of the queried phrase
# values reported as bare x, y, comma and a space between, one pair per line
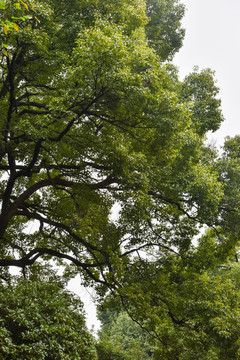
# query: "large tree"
93, 119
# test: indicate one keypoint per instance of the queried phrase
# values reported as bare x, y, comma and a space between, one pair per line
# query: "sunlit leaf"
5, 29
18, 5
24, 4
15, 26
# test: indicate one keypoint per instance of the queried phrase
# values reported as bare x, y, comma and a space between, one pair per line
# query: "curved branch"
33, 112
34, 254
61, 226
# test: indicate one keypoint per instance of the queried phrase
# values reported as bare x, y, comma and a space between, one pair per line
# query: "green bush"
40, 320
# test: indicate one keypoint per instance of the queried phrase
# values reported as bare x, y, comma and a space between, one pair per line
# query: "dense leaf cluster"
41, 320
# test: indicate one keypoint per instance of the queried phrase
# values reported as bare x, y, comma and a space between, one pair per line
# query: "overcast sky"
212, 41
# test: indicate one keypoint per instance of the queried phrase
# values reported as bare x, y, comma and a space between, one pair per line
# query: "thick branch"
33, 112
61, 226
33, 255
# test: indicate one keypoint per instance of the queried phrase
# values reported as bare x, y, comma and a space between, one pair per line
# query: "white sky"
211, 41
87, 297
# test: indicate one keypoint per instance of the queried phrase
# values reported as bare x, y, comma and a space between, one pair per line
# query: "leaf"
5, 29
24, 4
37, 19
18, 5
2, 5
5, 52
23, 18
16, 27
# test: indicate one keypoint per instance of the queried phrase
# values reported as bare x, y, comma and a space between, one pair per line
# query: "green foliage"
121, 338
41, 320
188, 312
164, 29
93, 118
108, 351
12, 13
200, 91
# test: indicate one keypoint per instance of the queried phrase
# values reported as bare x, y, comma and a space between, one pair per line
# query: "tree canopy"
103, 159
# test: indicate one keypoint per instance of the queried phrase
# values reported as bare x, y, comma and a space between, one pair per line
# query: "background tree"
120, 337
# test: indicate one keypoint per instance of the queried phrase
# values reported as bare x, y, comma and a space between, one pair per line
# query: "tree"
120, 337
92, 118
41, 320
91, 122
